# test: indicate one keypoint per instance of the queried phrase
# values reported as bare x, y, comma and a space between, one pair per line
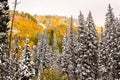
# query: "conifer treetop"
110, 18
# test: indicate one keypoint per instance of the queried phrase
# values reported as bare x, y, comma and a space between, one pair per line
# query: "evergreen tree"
55, 54
26, 63
92, 49
68, 59
62, 62
71, 57
44, 52
106, 48
47, 50
81, 49
4, 61
116, 51
38, 51
109, 17
36, 63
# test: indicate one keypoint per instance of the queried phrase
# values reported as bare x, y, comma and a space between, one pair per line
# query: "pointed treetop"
45, 36
109, 7
90, 14
90, 19
71, 25
71, 22
90, 24
110, 18
65, 36
80, 13
71, 32
80, 16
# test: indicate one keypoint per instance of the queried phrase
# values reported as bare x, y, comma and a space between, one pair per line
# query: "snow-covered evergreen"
36, 63
42, 54
46, 52
26, 63
55, 54
109, 49
110, 18
62, 61
92, 48
84, 56
116, 51
37, 51
4, 55
81, 49
68, 59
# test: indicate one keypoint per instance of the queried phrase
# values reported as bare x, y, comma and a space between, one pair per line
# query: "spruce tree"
68, 59
26, 63
44, 52
106, 47
4, 61
71, 52
38, 51
92, 49
81, 49
36, 63
55, 54
109, 17
62, 61
116, 51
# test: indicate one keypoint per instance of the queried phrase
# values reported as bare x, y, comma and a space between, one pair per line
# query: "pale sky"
69, 7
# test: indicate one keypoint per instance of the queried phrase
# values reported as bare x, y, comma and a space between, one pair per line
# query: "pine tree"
4, 61
38, 51
62, 61
92, 49
68, 59
26, 63
116, 51
44, 52
47, 50
81, 49
55, 54
106, 48
109, 17
71, 52
36, 63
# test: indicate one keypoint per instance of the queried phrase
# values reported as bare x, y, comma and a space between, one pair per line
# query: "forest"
57, 47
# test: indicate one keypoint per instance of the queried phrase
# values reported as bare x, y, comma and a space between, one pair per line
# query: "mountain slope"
26, 25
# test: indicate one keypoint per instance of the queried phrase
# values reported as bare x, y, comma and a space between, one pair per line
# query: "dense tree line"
84, 56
